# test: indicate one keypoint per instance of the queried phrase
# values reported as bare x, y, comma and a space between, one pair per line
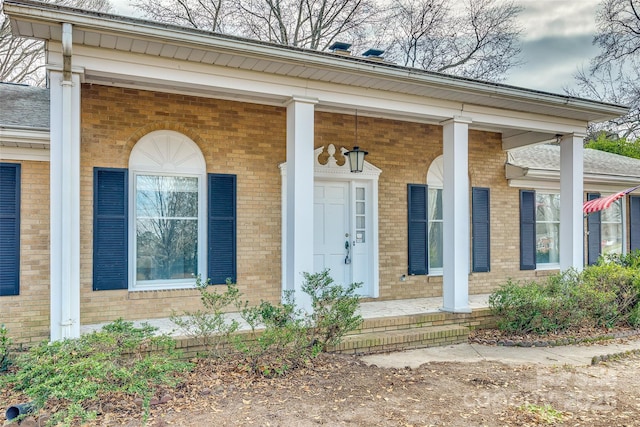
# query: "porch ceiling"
93, 29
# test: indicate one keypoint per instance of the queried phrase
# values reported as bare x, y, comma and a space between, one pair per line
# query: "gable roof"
96, 29
542, 162
24, 107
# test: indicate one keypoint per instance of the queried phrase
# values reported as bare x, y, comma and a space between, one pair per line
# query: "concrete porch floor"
368, 310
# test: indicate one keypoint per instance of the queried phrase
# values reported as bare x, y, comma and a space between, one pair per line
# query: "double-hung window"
435, 218
436, 226
605, 230
611, 229
163, 221
539, 230
167, 207
547, 230
426, 225
166, 229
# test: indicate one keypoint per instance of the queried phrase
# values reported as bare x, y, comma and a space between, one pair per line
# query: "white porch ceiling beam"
526, 138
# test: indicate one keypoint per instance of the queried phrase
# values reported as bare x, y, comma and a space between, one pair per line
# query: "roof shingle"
24, 106
547, 157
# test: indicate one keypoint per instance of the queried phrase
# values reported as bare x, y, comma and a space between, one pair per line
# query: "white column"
65, 195
455, 198
571, 196
299, 192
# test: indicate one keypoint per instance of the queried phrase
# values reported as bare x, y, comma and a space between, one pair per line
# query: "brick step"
413, 321
402, 339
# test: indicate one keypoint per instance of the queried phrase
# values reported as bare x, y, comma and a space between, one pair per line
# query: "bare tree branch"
22, 60
479, 42
613, 75
313, 24
207, 15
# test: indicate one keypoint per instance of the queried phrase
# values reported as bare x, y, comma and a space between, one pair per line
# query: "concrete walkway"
469, 353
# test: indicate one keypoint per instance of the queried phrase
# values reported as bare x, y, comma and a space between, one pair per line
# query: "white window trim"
167, 153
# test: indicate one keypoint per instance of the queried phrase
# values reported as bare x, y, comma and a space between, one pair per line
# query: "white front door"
341, 227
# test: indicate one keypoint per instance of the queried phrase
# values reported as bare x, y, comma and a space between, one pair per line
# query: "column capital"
57, 69
574, 135
301, 99
457, 119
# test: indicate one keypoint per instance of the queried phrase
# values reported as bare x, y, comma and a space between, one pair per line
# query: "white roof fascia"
548, 179
20, 153
18, 143
15, 136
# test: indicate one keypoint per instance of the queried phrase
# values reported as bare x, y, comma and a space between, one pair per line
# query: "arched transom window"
167, 211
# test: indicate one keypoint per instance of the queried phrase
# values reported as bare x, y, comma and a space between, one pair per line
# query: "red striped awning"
595, 205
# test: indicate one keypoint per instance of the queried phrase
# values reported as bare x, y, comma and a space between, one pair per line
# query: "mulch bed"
572, 336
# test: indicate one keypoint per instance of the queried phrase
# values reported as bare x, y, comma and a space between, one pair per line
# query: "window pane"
360, 223
360, 208
435, 204
165, 196
613, 213
166, 249
611, 235
435, 245
166, 227
547, 243
359, 193
547, 207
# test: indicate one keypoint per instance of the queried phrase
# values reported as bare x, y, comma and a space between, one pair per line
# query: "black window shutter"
593, 238
9, 229
222, 228
634, 222
480, 219
418, 228
110, 229
527, 230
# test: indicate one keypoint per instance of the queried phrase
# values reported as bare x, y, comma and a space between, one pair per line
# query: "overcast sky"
556, 41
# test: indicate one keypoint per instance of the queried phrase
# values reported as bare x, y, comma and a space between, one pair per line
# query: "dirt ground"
342, 390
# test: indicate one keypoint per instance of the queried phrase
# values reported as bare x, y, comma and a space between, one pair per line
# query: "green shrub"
529, 308
210, 327
75, 374
334, 308
291, 337
281, 337
630, 260
5, 347
281, 344
603, 295
621, 285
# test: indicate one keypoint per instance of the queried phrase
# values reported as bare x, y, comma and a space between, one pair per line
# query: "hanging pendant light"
356, 156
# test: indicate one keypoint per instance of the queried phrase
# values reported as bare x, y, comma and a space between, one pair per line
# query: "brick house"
174, 152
